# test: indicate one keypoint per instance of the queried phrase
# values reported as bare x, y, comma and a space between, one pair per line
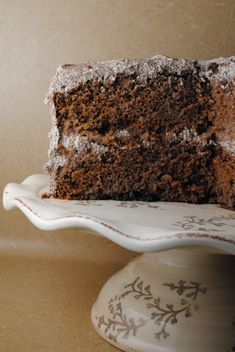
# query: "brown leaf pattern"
165, 314
194, 288
193, 222
161, 314
140, 291
119, 324
134, 204
87, 203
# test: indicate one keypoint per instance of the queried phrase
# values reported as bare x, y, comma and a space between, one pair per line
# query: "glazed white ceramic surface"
182, 300
138, 226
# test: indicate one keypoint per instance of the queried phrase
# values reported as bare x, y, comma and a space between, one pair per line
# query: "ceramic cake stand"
179, 296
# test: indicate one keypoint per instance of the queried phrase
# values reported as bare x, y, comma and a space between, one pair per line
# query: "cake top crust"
68, 76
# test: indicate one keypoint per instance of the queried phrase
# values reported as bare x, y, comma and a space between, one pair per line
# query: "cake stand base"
178, 300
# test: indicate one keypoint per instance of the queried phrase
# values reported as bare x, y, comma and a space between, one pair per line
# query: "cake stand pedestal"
179, 295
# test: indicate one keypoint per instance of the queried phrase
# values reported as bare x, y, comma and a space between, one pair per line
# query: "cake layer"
157, 129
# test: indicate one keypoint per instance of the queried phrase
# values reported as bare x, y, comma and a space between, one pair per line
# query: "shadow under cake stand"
179, 295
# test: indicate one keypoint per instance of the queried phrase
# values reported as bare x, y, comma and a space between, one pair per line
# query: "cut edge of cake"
218, 73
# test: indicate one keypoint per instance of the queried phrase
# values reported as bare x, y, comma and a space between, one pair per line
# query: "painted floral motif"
161, 314
133, 204
140, 291
194, 288
88, 203
123, 204
165, 314
193, 222
119, 324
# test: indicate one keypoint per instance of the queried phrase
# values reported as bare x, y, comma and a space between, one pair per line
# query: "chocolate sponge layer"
157, 129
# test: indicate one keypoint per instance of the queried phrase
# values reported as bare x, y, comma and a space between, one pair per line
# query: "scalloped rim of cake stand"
123, 222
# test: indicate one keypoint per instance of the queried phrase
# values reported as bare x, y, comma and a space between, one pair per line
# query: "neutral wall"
36, 36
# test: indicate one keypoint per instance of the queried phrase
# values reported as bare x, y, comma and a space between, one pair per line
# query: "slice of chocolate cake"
156, 129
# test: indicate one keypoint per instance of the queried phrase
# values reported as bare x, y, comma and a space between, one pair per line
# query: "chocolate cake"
155, 129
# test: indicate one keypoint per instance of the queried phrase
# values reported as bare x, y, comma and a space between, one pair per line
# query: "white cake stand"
179, 296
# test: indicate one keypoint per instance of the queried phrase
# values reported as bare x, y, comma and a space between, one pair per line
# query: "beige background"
50, 280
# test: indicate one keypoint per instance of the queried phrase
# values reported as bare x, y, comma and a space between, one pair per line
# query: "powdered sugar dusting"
82, 144
228, 145
69, 76
53, 137
186, 135
123, 133
223, 72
